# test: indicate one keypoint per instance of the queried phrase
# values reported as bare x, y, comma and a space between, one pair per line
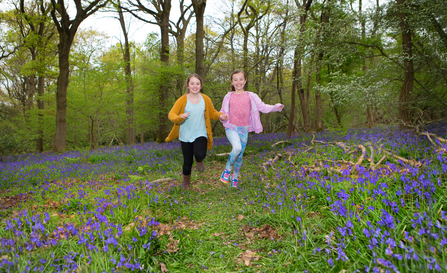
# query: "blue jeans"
238, 137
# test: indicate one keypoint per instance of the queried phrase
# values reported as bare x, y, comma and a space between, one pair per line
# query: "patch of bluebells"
369, 207
37, 169
372, 207
25, 233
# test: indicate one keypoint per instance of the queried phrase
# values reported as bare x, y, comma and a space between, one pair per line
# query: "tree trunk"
67, 30
92, 138
163, 125
407, 87
199, 10
179, 34
292, 93
296, 75
369, 106
180, 61
129, 84
304, 99
38, 21
318, 102
246, 31
60, 136
40, 107
336, 111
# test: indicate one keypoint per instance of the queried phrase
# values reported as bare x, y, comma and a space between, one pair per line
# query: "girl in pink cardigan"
243, 109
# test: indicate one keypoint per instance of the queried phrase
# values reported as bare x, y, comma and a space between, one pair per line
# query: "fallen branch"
380, 161
342, 145
271, 162
222, 154
427, 134
429, 138
412, 162
360, 160
308, 149
371, 163
341, 161
290, 159
163, 180
280, 142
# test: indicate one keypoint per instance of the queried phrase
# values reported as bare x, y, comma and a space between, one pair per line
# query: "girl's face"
238, 81
194, 85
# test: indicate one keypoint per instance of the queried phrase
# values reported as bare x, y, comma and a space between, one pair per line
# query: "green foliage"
357, 57
8, 142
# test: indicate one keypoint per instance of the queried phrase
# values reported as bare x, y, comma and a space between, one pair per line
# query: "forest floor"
359, 200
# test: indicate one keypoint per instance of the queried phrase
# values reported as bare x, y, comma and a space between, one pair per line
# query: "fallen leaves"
7, 202
266, 231
163, 268
247, 257
185, 223
172, 246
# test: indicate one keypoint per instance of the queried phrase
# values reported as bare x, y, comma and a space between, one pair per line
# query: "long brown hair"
237, 71
197, 76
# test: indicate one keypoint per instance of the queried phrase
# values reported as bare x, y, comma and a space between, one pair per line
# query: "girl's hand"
280, 107
223, 117
184, 115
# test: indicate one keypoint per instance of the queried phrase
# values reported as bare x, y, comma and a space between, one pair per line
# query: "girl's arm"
175, 113
214, 114
266, 108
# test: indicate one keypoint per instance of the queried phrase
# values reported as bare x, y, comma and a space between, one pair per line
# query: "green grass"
282, 219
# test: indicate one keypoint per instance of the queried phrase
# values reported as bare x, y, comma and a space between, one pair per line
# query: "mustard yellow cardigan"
179, 108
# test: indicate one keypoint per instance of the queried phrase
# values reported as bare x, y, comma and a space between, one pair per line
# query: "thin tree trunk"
179, 34
407, 87
369, 107
199, 10
163, 125
336, 111
92, 138
318, 102
292, 93
304, 100
129, 84
40, 107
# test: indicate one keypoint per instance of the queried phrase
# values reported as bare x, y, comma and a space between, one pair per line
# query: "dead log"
290, 159
380, 161
280, 142
416, 128
163, 180
360, 160
271, 162
371, 163
343, 146
412, 162
222, 154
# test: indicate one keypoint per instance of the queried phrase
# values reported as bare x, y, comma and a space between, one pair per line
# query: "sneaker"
234, 183
225, 178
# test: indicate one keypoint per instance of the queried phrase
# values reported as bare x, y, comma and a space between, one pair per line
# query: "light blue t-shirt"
194, 125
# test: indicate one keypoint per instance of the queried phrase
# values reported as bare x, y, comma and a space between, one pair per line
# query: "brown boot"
200, 166
187, 182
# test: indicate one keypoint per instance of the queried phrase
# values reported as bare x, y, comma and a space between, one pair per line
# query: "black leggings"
190, 150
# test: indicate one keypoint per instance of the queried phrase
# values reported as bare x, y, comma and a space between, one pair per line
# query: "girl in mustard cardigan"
191, 115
